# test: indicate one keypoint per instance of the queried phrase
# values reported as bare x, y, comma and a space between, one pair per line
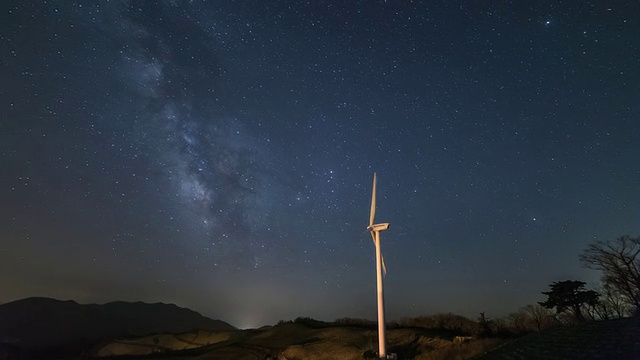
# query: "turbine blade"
384, 267
373, 201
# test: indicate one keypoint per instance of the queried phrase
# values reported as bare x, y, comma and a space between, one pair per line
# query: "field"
299, 341
612, 339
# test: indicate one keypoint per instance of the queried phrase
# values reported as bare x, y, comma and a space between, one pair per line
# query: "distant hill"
39, 323
611, 339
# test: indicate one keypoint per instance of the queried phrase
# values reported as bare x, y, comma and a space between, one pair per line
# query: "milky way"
215, 167
220, 156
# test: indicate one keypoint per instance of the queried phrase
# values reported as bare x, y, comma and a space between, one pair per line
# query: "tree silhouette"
485, 325
569, 295
619, 262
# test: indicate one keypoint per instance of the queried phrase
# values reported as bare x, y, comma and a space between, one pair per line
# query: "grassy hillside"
162, 343
302, 341
613, 339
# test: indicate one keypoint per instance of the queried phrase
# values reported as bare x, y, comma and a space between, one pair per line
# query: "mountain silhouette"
43, 323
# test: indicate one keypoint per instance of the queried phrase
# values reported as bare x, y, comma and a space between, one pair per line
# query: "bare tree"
520, 322
531, 318
613, 302
619, 262
542, 318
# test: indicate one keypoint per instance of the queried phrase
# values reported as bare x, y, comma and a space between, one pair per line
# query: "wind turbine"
380, 266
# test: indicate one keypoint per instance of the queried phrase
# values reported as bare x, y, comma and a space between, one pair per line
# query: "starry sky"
219, 154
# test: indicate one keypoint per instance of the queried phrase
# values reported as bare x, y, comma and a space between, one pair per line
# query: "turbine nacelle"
378, 227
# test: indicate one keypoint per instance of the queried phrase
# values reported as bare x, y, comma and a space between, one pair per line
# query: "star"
235, 145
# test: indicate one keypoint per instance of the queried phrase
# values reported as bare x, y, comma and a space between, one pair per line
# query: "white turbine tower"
380, 267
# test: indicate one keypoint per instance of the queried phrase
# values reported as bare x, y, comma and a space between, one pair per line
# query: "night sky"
219, 154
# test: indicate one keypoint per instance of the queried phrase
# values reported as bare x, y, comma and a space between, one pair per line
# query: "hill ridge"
41, 322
